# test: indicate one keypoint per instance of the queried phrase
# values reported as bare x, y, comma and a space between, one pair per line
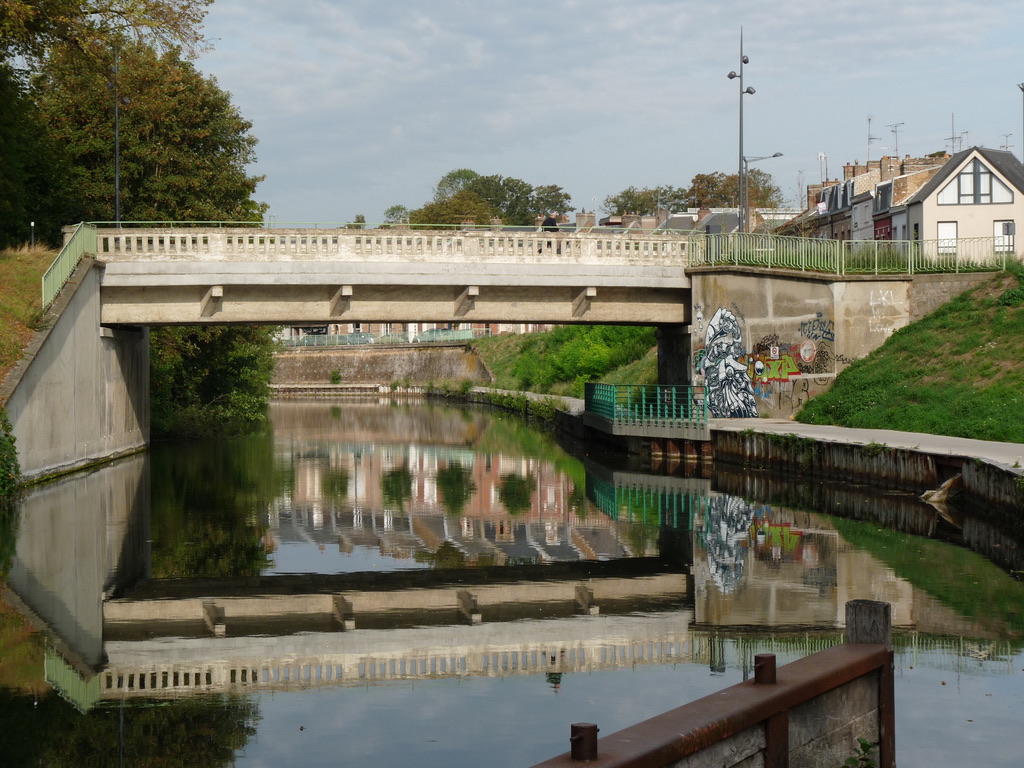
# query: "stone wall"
929, 292
381, 365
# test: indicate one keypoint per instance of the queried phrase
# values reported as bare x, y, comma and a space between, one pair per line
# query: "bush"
10, 470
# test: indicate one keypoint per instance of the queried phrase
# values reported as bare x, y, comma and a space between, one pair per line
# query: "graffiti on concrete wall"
726, 378
772, 370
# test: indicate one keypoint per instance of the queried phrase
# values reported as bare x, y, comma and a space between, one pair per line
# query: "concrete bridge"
282, 276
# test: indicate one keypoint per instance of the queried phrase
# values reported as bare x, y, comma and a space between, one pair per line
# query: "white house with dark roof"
977, 193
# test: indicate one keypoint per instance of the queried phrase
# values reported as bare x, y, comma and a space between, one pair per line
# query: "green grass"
561, 361
21, 273
957, 372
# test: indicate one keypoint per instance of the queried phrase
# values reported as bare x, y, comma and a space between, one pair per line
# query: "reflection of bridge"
289, 604
166, 668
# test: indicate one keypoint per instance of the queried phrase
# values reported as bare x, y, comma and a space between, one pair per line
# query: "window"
1003, 232
975, 185
947, 237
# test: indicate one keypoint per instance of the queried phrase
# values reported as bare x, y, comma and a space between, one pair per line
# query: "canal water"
406, 584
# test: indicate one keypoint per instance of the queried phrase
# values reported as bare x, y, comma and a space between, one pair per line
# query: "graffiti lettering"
818, 329
727, 381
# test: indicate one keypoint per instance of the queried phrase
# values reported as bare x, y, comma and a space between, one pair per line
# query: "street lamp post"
743, 92
1021, 86
746, 174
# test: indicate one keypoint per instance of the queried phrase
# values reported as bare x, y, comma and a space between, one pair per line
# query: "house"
978, 193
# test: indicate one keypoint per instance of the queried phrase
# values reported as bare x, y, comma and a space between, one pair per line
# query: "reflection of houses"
337, 500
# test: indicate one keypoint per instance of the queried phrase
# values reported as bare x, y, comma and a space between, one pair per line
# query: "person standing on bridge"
550, 224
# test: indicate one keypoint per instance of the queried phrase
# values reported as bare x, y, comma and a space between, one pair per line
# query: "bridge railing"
848, 257
238, 243
647, 405
81, 242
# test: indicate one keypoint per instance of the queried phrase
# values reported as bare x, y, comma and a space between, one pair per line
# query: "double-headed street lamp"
746, 175
743, 92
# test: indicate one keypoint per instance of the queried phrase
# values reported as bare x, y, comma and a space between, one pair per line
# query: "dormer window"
975, 185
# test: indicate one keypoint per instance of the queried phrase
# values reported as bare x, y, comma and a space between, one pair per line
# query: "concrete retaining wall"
80, 393
766, 341
380, 365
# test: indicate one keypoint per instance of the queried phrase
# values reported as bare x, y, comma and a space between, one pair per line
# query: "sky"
359, 105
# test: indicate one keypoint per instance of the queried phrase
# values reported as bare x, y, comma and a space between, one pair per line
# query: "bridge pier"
675, 359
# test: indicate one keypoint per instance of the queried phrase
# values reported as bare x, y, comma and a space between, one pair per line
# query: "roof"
1003, 162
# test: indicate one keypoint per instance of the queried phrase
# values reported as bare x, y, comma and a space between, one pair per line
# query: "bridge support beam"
468, 608
675, 358
343, 613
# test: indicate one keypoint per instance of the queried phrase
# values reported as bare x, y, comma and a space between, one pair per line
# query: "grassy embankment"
21, 273
959, 372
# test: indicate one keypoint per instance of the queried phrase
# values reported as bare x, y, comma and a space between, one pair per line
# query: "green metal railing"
647, 405
851, 257
83, 241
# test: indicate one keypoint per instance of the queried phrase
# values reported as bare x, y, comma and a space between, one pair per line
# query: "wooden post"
870, 621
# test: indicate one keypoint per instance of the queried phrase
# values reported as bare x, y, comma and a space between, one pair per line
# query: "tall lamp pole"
1021, 86
743, 92
746, 173
117, 143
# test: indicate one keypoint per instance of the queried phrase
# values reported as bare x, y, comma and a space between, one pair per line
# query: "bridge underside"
210, 293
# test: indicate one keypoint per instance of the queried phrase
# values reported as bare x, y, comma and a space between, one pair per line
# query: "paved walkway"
1006, 454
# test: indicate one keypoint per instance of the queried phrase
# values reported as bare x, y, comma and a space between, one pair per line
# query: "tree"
396, 214
32, 169
645, 201
717, 190
454, 211
454, 182
210, 380
713, 190
456, 486
550, 198
511, 198
34, 28
184, 146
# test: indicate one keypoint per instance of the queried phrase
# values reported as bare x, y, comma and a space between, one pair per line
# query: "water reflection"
364, 548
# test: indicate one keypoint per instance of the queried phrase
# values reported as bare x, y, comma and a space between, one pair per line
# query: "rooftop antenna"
952, 134
963, 135
870, 139
1006, 145
895, 129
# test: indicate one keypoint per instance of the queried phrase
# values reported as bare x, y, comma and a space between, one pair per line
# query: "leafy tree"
511, 198
33, 28
454, 182
359, 222
717, 190
210, 380
645, 201
184, 146
453, 211
31, 169
396, 214
550, 198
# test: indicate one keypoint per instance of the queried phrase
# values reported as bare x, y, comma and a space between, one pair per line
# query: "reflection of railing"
652, 506
647, 405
